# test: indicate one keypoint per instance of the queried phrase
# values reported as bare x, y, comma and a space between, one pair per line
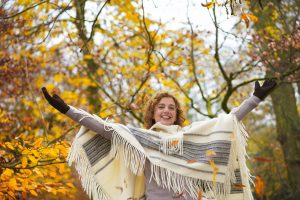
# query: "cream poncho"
207, 158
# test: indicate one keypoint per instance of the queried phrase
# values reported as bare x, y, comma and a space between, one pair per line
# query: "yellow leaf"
9, 145
238, 185
218, 4
26, 172
52, 174
87, 57
70, 185
236, 103
210, 153
33, 193
174, 143
252, 17
44, 17
36, 153
38, 142
50, 87
199, 195
33, 159
38, 172
259, 186
12, 194
191, 161
52, 153
7, 174
39, 82
245, 18
12, 184
100, 72
205, 51
26, 152
58, 77
208, 5
215, 169
24, 162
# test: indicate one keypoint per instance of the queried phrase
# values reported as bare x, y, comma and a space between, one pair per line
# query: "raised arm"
260, 93
77, 115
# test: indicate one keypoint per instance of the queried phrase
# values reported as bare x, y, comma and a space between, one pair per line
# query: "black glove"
263, 91
56, 101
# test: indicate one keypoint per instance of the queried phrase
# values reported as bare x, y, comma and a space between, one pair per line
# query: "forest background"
108, 57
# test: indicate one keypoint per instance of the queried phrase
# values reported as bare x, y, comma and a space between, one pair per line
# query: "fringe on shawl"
172, 144
134, 160
84, 169
178, 183
241, 143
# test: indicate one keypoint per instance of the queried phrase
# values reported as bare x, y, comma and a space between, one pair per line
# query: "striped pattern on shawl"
207, 156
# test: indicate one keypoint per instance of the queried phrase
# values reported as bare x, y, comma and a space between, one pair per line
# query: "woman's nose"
166, 110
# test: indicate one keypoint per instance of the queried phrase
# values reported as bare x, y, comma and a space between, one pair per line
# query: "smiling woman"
163, 108
164, 161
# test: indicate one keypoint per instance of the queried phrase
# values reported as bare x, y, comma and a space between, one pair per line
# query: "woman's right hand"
56, 101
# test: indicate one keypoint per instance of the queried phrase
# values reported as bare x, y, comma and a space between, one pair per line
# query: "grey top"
153, 191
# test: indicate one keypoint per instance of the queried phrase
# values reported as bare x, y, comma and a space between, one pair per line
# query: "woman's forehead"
167, 101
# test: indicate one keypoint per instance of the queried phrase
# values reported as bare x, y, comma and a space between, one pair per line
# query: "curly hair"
149, 110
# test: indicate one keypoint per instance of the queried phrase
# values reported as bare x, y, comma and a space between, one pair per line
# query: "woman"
162, 111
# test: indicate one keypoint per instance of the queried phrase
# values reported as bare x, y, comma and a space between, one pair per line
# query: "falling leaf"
215, 169
248, 16
199, 195
119, 188
191, 161
259, 186
262, 159
238, 185
210, 153
179, 195
174, 143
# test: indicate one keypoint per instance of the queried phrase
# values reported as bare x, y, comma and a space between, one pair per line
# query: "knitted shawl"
206, 157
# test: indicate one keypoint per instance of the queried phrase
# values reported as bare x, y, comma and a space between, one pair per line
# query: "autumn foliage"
109, 57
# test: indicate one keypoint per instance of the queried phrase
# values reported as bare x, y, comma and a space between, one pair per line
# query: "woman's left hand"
266, 88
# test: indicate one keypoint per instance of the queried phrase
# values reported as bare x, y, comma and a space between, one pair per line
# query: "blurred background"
109, 57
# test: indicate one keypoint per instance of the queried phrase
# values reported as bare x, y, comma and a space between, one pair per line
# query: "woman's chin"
167, 123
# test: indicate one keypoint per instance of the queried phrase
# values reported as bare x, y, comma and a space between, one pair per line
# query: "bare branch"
25, 10
93, 25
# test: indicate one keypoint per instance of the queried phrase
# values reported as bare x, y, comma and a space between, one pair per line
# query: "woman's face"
165, 111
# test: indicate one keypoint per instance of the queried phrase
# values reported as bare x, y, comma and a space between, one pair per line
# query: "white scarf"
207, 157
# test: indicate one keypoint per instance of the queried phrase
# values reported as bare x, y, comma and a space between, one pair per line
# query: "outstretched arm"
77, 115
260, 93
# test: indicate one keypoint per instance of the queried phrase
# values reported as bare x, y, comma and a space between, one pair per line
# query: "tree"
276, 40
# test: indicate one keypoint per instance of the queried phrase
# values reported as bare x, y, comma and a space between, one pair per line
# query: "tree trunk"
93, 97
288, 133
